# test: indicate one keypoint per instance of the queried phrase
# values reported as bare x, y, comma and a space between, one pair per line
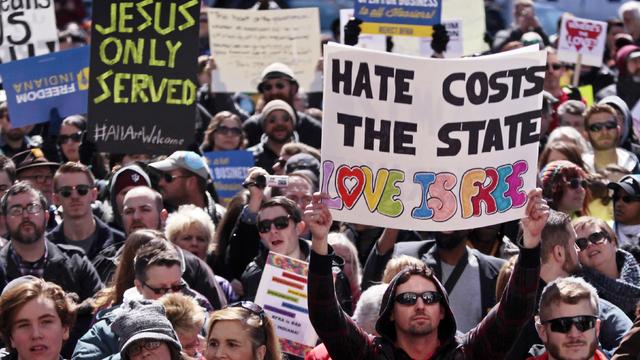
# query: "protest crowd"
113, 247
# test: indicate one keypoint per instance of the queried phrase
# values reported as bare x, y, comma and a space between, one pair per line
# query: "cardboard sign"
143, 75
229, 169
244, 42
27, 28
430, 144
400, 18
38, 86
282, 293
582, 37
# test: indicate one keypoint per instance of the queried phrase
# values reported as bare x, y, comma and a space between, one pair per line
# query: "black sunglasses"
556, 66
563, 325
410, 298
595, 238
169, 178
609, 125
162, 291
625, 198
226, 130
281, 222
268, 87
66, 191
576, 183
75, 137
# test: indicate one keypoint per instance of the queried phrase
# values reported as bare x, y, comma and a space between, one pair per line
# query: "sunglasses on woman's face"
609, 125
563, 325
595, 238
576, 183
226, 130
75, 137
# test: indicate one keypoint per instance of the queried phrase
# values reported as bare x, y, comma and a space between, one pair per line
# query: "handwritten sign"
582, 37
143, 75
282, 293
38, 86
27, 28
229, 169
430, 144
401, 18
244, 42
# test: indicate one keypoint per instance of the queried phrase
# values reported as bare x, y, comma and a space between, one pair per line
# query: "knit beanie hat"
275, 71
278, 104
553, 169
143, 320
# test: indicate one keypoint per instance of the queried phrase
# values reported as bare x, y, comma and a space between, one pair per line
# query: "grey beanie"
278, 104
144, 319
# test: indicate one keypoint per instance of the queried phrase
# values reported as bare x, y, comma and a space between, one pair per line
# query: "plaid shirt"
30, 268
491, 339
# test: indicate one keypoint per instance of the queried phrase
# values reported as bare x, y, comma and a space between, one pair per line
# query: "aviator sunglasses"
410, 298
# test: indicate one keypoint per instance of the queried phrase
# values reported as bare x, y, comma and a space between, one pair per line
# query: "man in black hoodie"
415, 318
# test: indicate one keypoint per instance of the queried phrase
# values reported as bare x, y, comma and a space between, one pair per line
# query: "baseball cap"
187, 160
629, 183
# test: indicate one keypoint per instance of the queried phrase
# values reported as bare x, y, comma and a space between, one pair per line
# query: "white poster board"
430, 144
582, 36
282, 293
28, 29
244, 42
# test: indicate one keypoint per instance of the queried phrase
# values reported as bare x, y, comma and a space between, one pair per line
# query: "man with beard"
13, 140
603, 132
279, 82
29, 253
464, 272
568, 322
559, 259
278, 122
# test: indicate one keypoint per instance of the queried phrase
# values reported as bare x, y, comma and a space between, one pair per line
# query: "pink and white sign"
582, 36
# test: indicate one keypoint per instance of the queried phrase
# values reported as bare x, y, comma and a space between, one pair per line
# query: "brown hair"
554, 233
569, 150
13, 299
597, 109
288, 205
395, 265
157, 252
183, 312
503, 276
216, 120
585, 221
73, 167
568, 290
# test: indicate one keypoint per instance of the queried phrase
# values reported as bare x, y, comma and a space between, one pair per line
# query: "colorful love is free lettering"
481, 191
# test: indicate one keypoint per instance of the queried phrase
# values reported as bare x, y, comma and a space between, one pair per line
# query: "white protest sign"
244, 42
365, 41
471, 14
27, 29
454, 46
282, 293
582, 37
430, 144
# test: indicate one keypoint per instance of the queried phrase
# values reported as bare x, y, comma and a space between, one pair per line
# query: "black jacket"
426, 251
107, 236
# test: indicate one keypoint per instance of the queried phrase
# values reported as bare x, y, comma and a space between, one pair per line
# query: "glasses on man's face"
137, 347
626, 198
161, 291
609, 125
18, 210
411, 298
575, 183
75, 137
281, 222
595, 238
563, 325
66, 191
227, 130
274, 118
38, 178
278, 85
169, 177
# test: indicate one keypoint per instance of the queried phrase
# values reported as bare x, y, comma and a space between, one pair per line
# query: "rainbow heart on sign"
350, 183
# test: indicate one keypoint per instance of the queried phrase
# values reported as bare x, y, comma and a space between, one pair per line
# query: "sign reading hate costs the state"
27, 28
430, 144
143, 75
244, 42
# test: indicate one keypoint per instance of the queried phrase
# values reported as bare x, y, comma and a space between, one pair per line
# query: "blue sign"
405, 12
40, 86
229, 169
